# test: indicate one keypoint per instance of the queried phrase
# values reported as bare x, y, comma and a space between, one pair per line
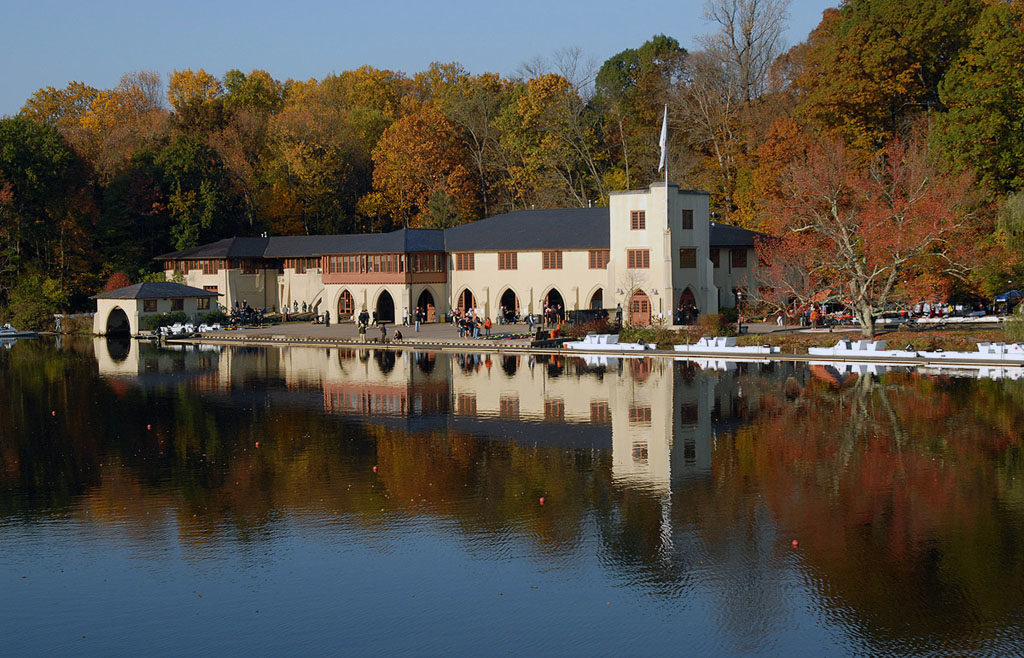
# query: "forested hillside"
95, 182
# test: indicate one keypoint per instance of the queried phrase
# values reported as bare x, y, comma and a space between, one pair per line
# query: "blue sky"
48, 42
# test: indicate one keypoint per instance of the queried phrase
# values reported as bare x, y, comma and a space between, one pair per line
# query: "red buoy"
53, 413
257, 444
795, 543
374, 469
149, 427
542, 500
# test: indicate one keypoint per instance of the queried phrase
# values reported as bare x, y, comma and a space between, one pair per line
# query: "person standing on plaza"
327, 318
405, 316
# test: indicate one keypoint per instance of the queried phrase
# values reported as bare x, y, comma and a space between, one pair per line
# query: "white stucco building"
651, 251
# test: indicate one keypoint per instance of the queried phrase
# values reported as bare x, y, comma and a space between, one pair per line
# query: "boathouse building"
644, 251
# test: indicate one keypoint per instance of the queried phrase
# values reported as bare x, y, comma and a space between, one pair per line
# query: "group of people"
419, 316
473, 325
553, 315
242, 313
686, 314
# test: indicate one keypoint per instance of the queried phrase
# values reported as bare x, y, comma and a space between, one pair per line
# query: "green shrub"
729, 315
33, 300
214, 317
81, 324
713, 324
154, 322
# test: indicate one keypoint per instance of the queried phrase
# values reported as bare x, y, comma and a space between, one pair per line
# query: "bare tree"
149, 83
748, 40
571, 63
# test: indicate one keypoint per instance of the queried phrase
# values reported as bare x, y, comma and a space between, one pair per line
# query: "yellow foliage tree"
188, 86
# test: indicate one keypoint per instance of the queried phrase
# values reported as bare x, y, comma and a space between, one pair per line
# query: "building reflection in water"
658, 417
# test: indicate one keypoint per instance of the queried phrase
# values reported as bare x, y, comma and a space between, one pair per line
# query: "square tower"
659, 253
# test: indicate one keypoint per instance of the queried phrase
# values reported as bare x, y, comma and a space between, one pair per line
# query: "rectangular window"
508, 260
149, 306
177, 304
639, 415
638, 259
599, 259
600, 413
688, 413
687, 258
249, 266
554, 409
508, 407
713, 254
687, 218
739, 257
637, 220
464, 261
467, 404
551, 260
203, 303
210, 266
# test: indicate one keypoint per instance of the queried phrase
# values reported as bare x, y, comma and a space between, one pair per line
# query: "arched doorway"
554, 301
426, 302
510, 303
686, 311
385, 307
117, 323
639, 309
346, 305
466, 301
597, 300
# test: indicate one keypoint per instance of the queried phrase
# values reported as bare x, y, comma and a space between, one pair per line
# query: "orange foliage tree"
861, 234
419, 163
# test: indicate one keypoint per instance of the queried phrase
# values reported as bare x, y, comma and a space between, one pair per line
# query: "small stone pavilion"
121, 311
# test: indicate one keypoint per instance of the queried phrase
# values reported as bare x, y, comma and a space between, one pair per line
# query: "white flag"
663, 142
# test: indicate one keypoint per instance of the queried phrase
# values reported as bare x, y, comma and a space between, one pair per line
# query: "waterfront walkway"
514, 335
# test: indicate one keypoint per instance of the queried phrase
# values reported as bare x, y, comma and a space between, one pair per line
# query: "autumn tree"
419, 163
471, 103
862, 233
874, 65
188, 87
550, 140
983, 129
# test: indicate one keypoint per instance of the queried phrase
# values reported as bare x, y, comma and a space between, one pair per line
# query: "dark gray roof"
226, 248
724, 235
406, 240
563, 228
155, 290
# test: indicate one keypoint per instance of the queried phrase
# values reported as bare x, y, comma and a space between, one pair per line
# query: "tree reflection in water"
903, 489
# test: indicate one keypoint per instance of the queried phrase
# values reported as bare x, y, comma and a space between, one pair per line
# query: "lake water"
321, 500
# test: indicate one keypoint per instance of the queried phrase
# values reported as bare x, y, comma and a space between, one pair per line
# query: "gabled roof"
562, 228
155, 290
226, 248
724, 235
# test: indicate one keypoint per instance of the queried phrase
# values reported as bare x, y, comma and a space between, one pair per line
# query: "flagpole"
666, 166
